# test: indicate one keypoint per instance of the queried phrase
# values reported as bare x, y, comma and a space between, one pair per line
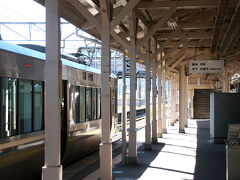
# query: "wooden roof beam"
160, 49
173, 59
189, 35
169, 53
191, 26
198, 4
155, 27
85, 12
190, 44
129, 7
221, 12
96, 23
176, 63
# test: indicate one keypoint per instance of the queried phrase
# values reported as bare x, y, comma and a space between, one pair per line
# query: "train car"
22, 111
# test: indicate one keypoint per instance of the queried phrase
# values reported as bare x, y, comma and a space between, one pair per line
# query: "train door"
64, 118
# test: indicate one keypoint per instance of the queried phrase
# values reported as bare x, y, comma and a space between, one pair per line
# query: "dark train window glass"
77, 104
63, 117
63, 102
8, 107
38, 106
94, 103
90, 77
25, 106
84, 75
88, 104
82, 104
98, 103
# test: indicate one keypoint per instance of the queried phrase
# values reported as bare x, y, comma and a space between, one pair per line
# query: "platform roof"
204, 27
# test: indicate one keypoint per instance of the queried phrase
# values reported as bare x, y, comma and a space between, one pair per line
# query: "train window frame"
20, 126
84, 97
3, 125
94, 109
77, 111
90, 76
99, 103
90, 88
18, 122
33, 104
84, 75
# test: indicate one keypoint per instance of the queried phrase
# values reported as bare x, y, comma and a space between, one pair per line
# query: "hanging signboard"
206, 66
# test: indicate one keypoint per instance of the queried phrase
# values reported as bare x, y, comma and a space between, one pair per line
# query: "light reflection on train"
22, 111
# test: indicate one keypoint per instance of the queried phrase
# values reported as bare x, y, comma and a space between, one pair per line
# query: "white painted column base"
147, 145
106, 162
132, 157
159, 135
52, 172
164, 131
132, 161
154, 139
181, 131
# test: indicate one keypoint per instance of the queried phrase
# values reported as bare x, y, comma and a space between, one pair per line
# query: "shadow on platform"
210, 158
144, 160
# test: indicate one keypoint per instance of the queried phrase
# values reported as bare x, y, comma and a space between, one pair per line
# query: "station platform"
176, 156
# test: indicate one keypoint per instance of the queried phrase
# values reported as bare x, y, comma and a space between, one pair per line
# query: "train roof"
42, 56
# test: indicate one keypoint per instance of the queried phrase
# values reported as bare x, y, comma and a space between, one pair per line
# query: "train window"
94, 103
82, 104
84, 76
89, 104
38, 106
25, 108
8, 107
63, 103
90, 77
98, 103
77, 104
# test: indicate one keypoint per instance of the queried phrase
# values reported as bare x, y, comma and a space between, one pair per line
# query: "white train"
22, 111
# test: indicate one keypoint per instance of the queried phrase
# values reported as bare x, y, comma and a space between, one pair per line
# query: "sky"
21, 10
30, 11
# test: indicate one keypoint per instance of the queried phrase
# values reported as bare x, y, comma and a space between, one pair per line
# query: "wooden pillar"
181, 99
106, 144
148, 139
226, 82
173, 106
52, 168
185, 101
154, 97
177, 96
132, 152
124, 112
192, 109
169, 102
159, 131
164, 124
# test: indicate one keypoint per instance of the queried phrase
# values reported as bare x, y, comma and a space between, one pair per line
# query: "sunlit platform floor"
178, 156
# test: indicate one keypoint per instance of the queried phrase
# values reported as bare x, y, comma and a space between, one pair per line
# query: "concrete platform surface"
176, 156
179, 156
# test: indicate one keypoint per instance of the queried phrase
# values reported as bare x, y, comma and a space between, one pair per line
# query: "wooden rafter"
130, 5
155, 27
198, 4
171, 51
160, 49
176, 63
